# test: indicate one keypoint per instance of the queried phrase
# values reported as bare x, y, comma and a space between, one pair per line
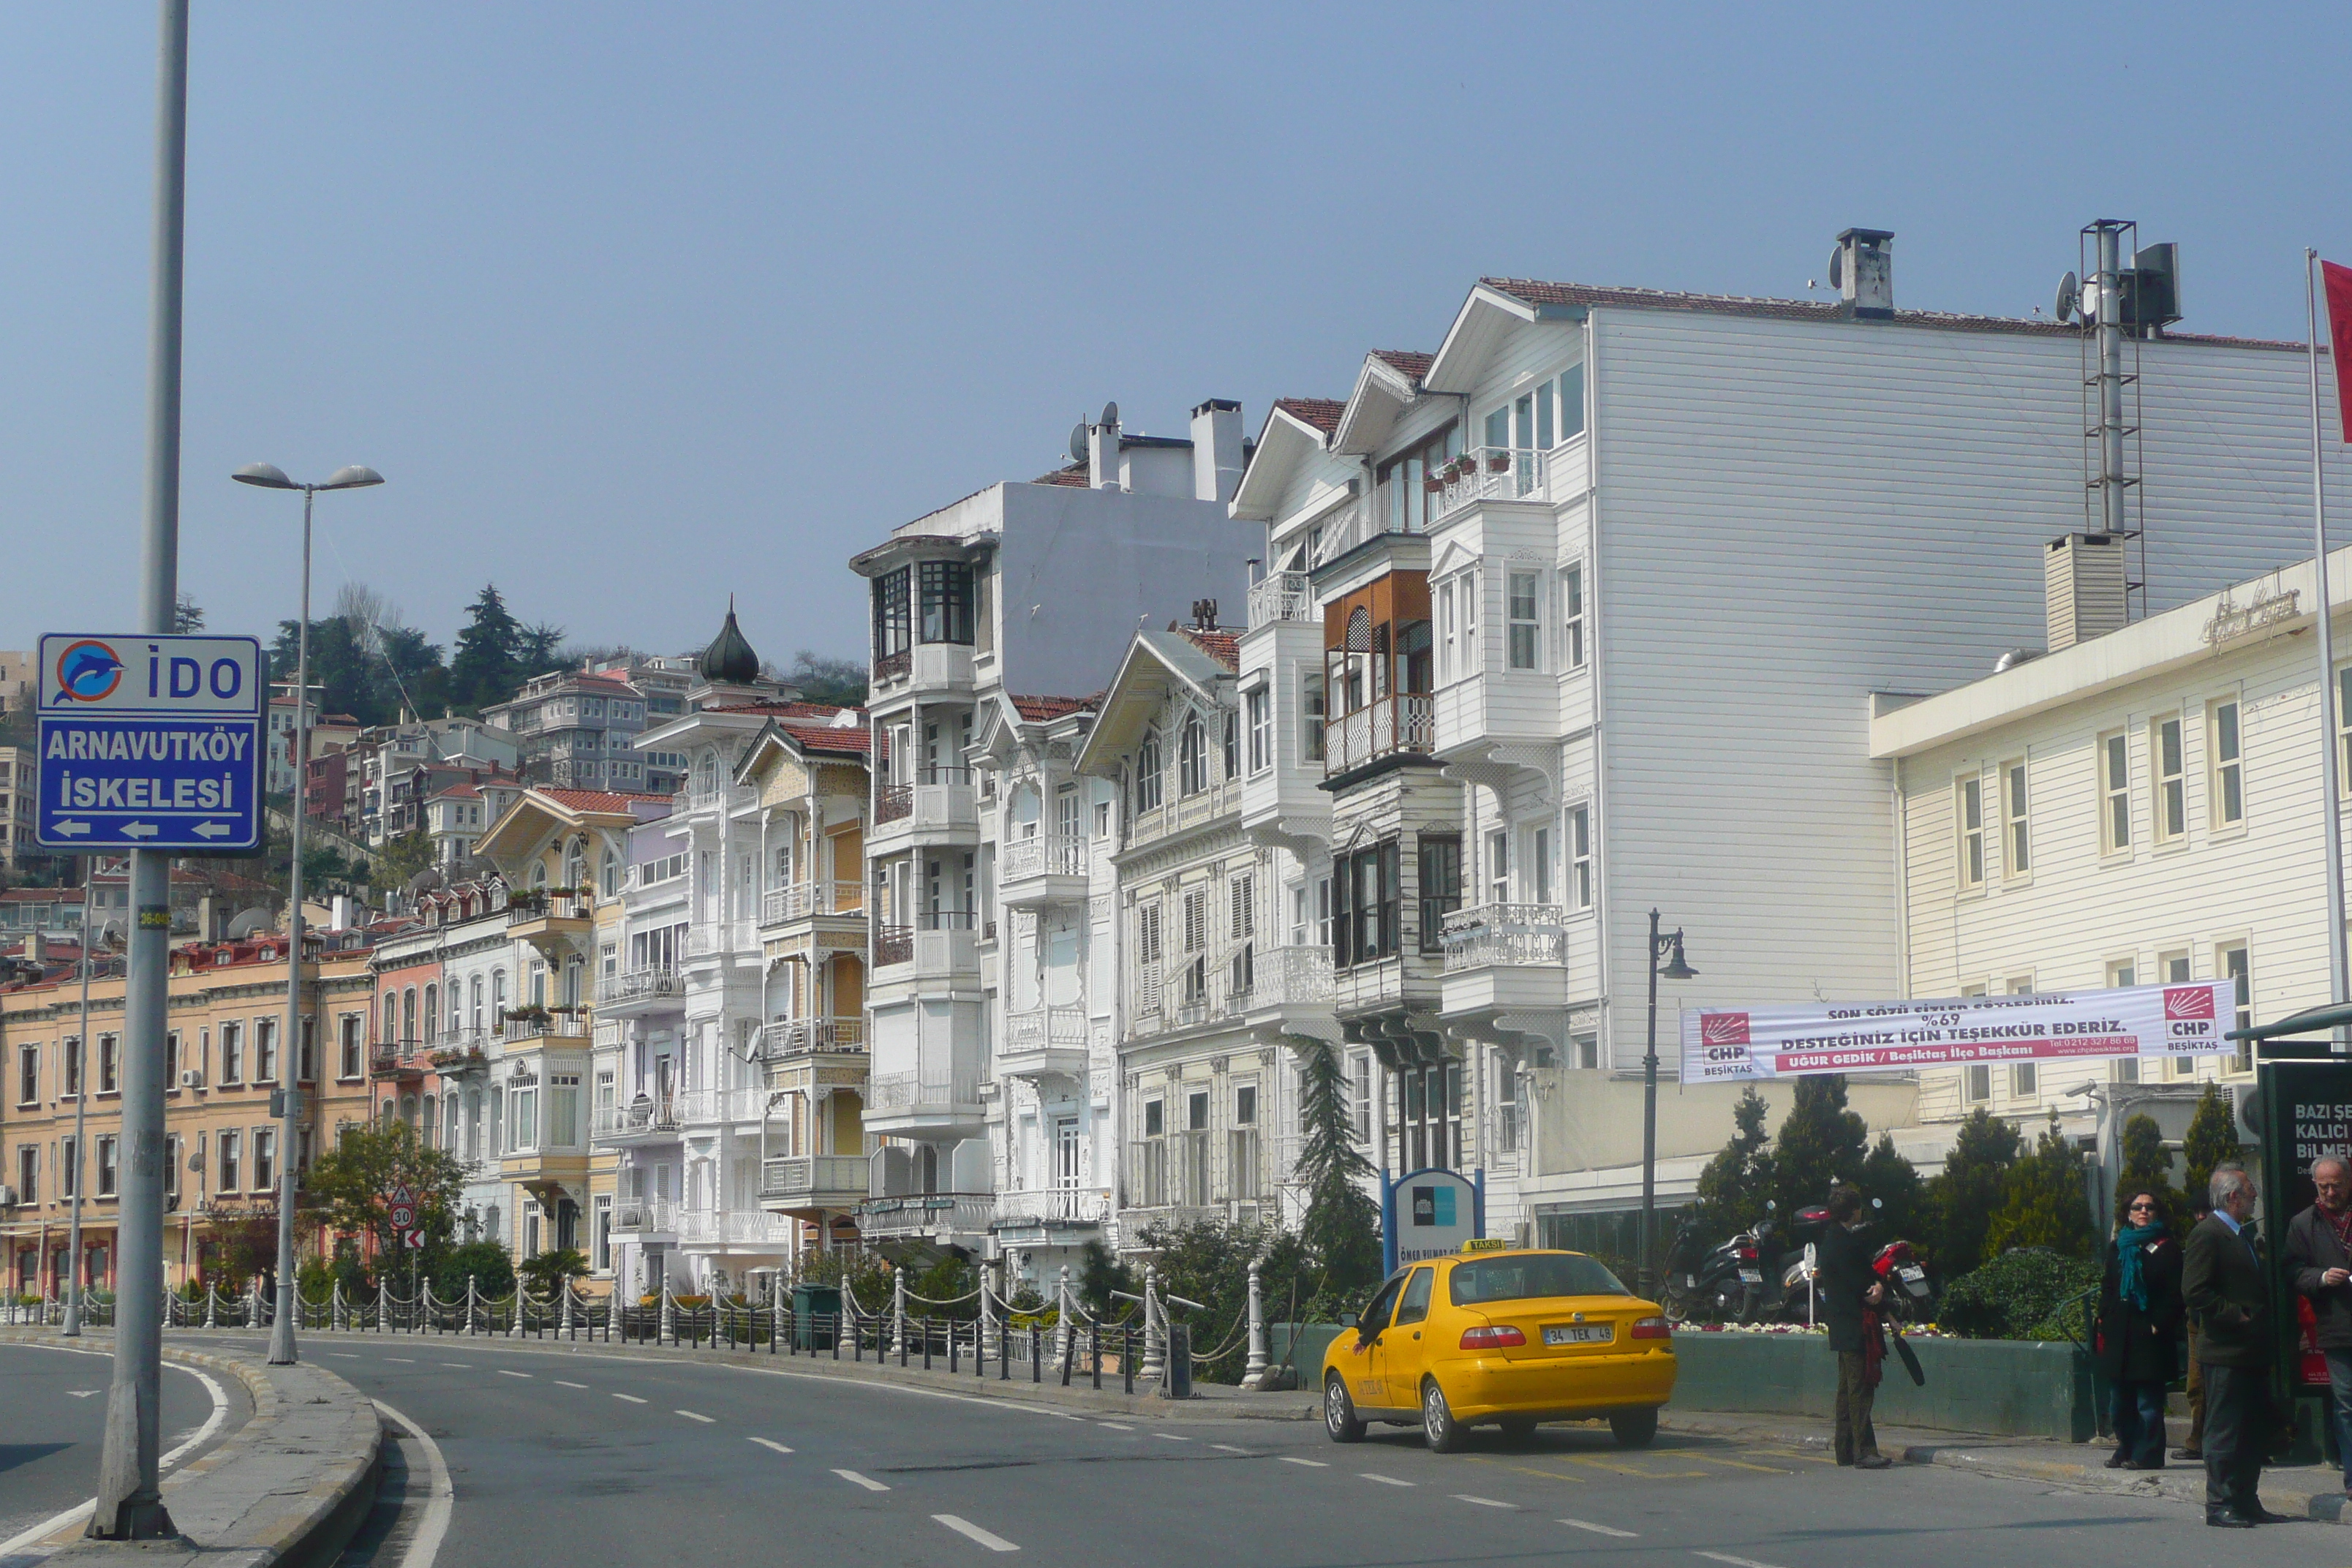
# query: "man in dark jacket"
2200, 1205
2319, 1261
2227, 1297
1850, 1289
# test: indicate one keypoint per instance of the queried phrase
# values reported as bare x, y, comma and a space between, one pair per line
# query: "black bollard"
1127, 1357
1094, 1351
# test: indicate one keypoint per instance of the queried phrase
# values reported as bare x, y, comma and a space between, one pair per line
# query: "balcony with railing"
941, 1099
560, 1023
928, 1216
1491, 473
647, 1119
646, 990
1403, 721
733, 1227
1044, 871
1232, 984
939, 803
1283, 596
806, 1184
1043, 1042
891, 945
1046, 1216
713, 939
644, 1216
398, 1060
787, 1037
1505, 957
711, 1107
812, 900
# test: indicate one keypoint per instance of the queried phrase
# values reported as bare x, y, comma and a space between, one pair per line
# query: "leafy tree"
1895, 1181
1342, 1229
403, 858
2212, 1140
348, 1188
490, 650
2043, 1203
2148, 1165
1208, 1262
187, 615
1961, 1202
823, 678
2020, 1296
546, 1270
945, 1280
247, 1244
1733, 1187
412, 669
858, 1274
1820, 1143
487, 1263
1100, 1272
537, 650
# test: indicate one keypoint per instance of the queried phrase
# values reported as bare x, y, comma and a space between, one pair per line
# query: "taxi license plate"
1578, 1333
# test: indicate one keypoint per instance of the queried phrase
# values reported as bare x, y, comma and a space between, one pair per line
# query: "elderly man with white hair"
2319, 1262
2223, 1283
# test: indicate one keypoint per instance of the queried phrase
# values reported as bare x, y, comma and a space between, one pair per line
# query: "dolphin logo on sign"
88, 671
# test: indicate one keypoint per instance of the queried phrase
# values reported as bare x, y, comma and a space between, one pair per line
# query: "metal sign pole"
2339, 961
289, 1050
79, 1165
130, 1504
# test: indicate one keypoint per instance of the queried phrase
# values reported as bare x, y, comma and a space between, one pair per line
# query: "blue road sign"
151, 743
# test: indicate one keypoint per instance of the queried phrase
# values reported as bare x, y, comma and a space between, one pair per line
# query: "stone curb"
1017, 1390
2309, 1492
288, 1487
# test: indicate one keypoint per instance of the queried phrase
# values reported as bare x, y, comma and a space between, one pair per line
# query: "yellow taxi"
1504, 1336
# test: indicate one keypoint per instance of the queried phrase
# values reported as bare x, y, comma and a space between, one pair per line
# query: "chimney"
207, 918
1217, 459
2082, 581
1102, 450
342, 915
33, 945
1863, 268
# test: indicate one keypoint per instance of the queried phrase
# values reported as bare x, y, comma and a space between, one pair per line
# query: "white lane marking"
80, 1510
964, 1527
84, 1393
1484, 1501
561, 1383
630, 1397
438, 1497
1735, 1562
1229, 1449
403, 1359
691, 1416
1385, 1480
342, 1355
460, 1365
1170, 1438
504, 1373
1114, 1425
870, 1484
1600, 1529
1294, 1459
771, 1443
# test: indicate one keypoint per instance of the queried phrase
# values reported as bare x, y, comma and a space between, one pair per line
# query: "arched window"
539, 873
1192, 756
478, 1004
611, 875
1147, 771
498, 1001
575, 864
431, 1014
408, 1016
387, 1027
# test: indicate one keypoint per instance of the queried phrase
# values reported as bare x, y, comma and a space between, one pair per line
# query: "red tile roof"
1038, 709
1226, 647
1411, 364
1323, 413
1072, 474
460, 792
596, 800
843, 737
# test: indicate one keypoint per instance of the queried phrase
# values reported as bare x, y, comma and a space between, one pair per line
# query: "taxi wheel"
1340, 1412
1633, 1429
1438, 1428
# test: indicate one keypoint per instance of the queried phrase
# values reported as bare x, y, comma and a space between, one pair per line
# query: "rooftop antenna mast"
2104, 302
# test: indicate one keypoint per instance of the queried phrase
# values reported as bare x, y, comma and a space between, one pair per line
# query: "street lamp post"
1661, 946
290, 1040
76, 1170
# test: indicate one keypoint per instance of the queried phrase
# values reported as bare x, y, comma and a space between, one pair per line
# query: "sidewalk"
2304, 1491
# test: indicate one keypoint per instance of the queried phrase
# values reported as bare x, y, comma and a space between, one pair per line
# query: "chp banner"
1723, 1045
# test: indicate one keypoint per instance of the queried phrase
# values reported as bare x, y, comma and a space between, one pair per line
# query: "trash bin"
808, 1303
1176, 1382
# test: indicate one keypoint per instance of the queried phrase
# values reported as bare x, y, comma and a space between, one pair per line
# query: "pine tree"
1342, 1229
187, 615
1820, 1143
2147, 1167
482, 669
1961, 1202
1737, 1182
2044, 1201
2212, 1139
1895, 1181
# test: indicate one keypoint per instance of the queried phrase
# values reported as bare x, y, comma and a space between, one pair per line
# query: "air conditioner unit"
8, 1197
190, 1078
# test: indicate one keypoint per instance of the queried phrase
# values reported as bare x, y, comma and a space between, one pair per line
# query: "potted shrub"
1498, 462
529, 1013
1434, 482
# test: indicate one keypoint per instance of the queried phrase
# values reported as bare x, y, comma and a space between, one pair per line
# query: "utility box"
808, 1303
1176, 1382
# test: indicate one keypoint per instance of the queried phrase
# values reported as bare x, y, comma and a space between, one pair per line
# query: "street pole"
289, 1048
72, 1329
1650, 1121
2339, 964
130, 1502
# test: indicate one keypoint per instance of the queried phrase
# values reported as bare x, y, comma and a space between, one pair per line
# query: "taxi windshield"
1521, 1275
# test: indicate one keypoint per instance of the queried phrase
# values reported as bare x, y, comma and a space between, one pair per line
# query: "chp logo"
1723, 1045
2190, 1016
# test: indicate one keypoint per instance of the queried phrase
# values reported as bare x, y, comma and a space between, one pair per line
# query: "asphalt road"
53, 1419
643, 1460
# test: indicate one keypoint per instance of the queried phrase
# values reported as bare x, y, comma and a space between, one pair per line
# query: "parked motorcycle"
1722, 1284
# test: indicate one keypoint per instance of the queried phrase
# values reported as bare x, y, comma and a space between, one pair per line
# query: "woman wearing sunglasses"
2139, 1328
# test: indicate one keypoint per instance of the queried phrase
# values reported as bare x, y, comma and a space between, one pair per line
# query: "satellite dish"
1110, 413
1079, 442
2069, 298
1837, 269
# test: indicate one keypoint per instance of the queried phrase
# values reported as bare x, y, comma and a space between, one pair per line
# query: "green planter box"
2013, 1387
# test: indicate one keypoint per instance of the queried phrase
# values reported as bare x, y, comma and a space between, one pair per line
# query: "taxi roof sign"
1487, 1244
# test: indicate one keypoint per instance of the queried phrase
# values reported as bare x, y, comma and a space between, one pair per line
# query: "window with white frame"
2231, 963
1359, 1087
1192, 756
2017, 835
1242, 1152
1261, 729
1968, 812
108, 1165
2227, 802
1499, 866
1448, 634
2115, 792
1310, 712
265, 1050
1526, 632
1976, 1083
1539, 862
1580, 857
1146, 773
1571, 617
265, 1159
348, 1055
2168, 787
1584, 1051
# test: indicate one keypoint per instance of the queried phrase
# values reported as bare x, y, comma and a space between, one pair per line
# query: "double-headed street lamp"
1667, 946
269, 477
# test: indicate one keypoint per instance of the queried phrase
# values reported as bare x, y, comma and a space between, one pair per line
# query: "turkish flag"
2339, 331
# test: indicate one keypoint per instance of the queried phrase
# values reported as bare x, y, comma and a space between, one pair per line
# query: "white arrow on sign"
67, 829
140, 830
212, 829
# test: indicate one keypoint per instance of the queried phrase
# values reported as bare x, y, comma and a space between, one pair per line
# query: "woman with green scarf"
2139, 1327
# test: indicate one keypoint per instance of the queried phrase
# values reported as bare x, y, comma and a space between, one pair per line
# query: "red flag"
2338, 280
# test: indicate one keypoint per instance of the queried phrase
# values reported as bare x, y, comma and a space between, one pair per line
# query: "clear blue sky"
637, 306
